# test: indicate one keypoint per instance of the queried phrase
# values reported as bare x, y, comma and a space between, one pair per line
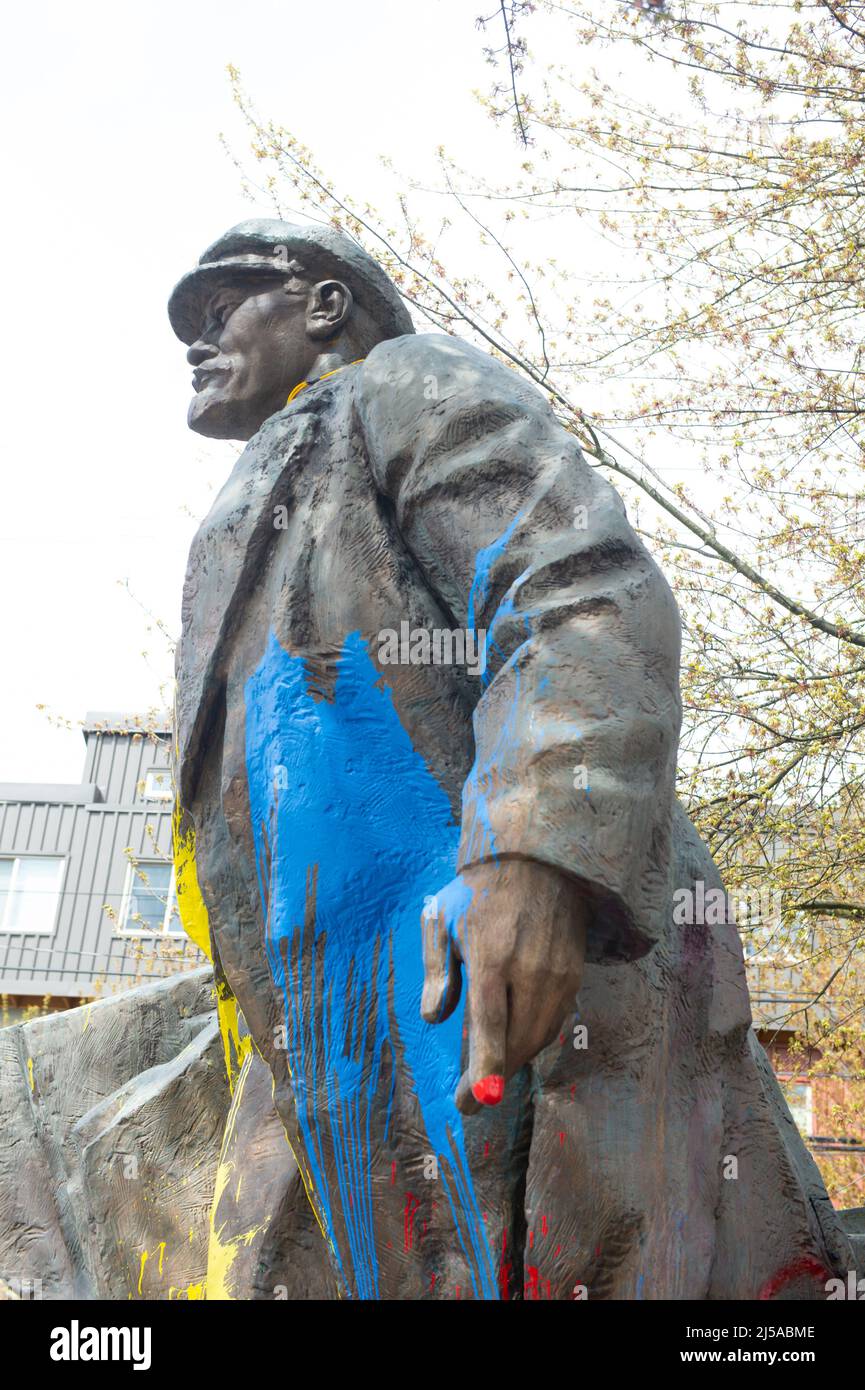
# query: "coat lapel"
227, 554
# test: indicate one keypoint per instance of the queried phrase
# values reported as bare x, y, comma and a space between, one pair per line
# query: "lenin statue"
427, 722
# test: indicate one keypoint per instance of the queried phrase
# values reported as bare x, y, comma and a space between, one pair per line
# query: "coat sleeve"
577, 715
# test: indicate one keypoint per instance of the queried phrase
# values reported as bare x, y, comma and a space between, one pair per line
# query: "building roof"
66, 793
154, 721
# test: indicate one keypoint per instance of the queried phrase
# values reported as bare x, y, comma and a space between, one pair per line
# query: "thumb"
442, 973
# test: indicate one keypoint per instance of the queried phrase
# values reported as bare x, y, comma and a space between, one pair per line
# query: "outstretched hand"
519, 928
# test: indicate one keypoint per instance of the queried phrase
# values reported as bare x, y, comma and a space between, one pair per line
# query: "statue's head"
270, 305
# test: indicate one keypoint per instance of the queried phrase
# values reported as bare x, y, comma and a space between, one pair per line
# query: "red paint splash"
489, 1090
393, 1173
411, 1205
504, 1282
544, 1226
532, 1290
806, 1265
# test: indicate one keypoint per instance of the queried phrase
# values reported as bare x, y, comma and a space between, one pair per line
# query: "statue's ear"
328, 309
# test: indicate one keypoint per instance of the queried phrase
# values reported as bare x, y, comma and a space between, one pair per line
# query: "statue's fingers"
535, 1021
484, 1081
442, 971
464, 1098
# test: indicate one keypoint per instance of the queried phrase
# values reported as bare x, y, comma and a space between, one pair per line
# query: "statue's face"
252, 351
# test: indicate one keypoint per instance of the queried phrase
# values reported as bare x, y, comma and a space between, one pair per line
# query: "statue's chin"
217, 419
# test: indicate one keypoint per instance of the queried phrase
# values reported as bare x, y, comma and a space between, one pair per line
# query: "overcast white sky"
115, 182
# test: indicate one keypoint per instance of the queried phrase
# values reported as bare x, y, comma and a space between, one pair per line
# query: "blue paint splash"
480, 836
484, 562
363, 832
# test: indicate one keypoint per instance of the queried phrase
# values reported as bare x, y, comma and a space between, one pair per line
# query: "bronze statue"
427, 717
428, 714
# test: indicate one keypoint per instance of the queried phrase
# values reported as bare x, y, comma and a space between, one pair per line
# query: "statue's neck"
324, 363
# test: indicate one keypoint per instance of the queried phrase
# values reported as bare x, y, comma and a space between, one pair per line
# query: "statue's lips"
204, 378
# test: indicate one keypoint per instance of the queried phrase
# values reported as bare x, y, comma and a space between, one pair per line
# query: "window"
29, 893
799, 1099
157, 784
769, 943
149, 899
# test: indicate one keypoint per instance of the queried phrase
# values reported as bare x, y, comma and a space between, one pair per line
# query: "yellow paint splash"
238, 1053
193, 916
222, 1251
193, 913
141, 1274
235, 1048
30, 1076
302, 385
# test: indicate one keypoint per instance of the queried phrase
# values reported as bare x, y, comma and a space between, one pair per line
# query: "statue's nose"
199, 352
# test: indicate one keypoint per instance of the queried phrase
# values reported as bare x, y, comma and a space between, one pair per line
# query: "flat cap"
268, 246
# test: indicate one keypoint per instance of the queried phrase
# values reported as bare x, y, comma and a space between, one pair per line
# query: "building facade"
87, 902
823, 1083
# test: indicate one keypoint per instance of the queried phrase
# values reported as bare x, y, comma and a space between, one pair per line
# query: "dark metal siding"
117, 763
87, 953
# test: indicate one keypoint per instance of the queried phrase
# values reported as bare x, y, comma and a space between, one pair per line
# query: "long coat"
337, 776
